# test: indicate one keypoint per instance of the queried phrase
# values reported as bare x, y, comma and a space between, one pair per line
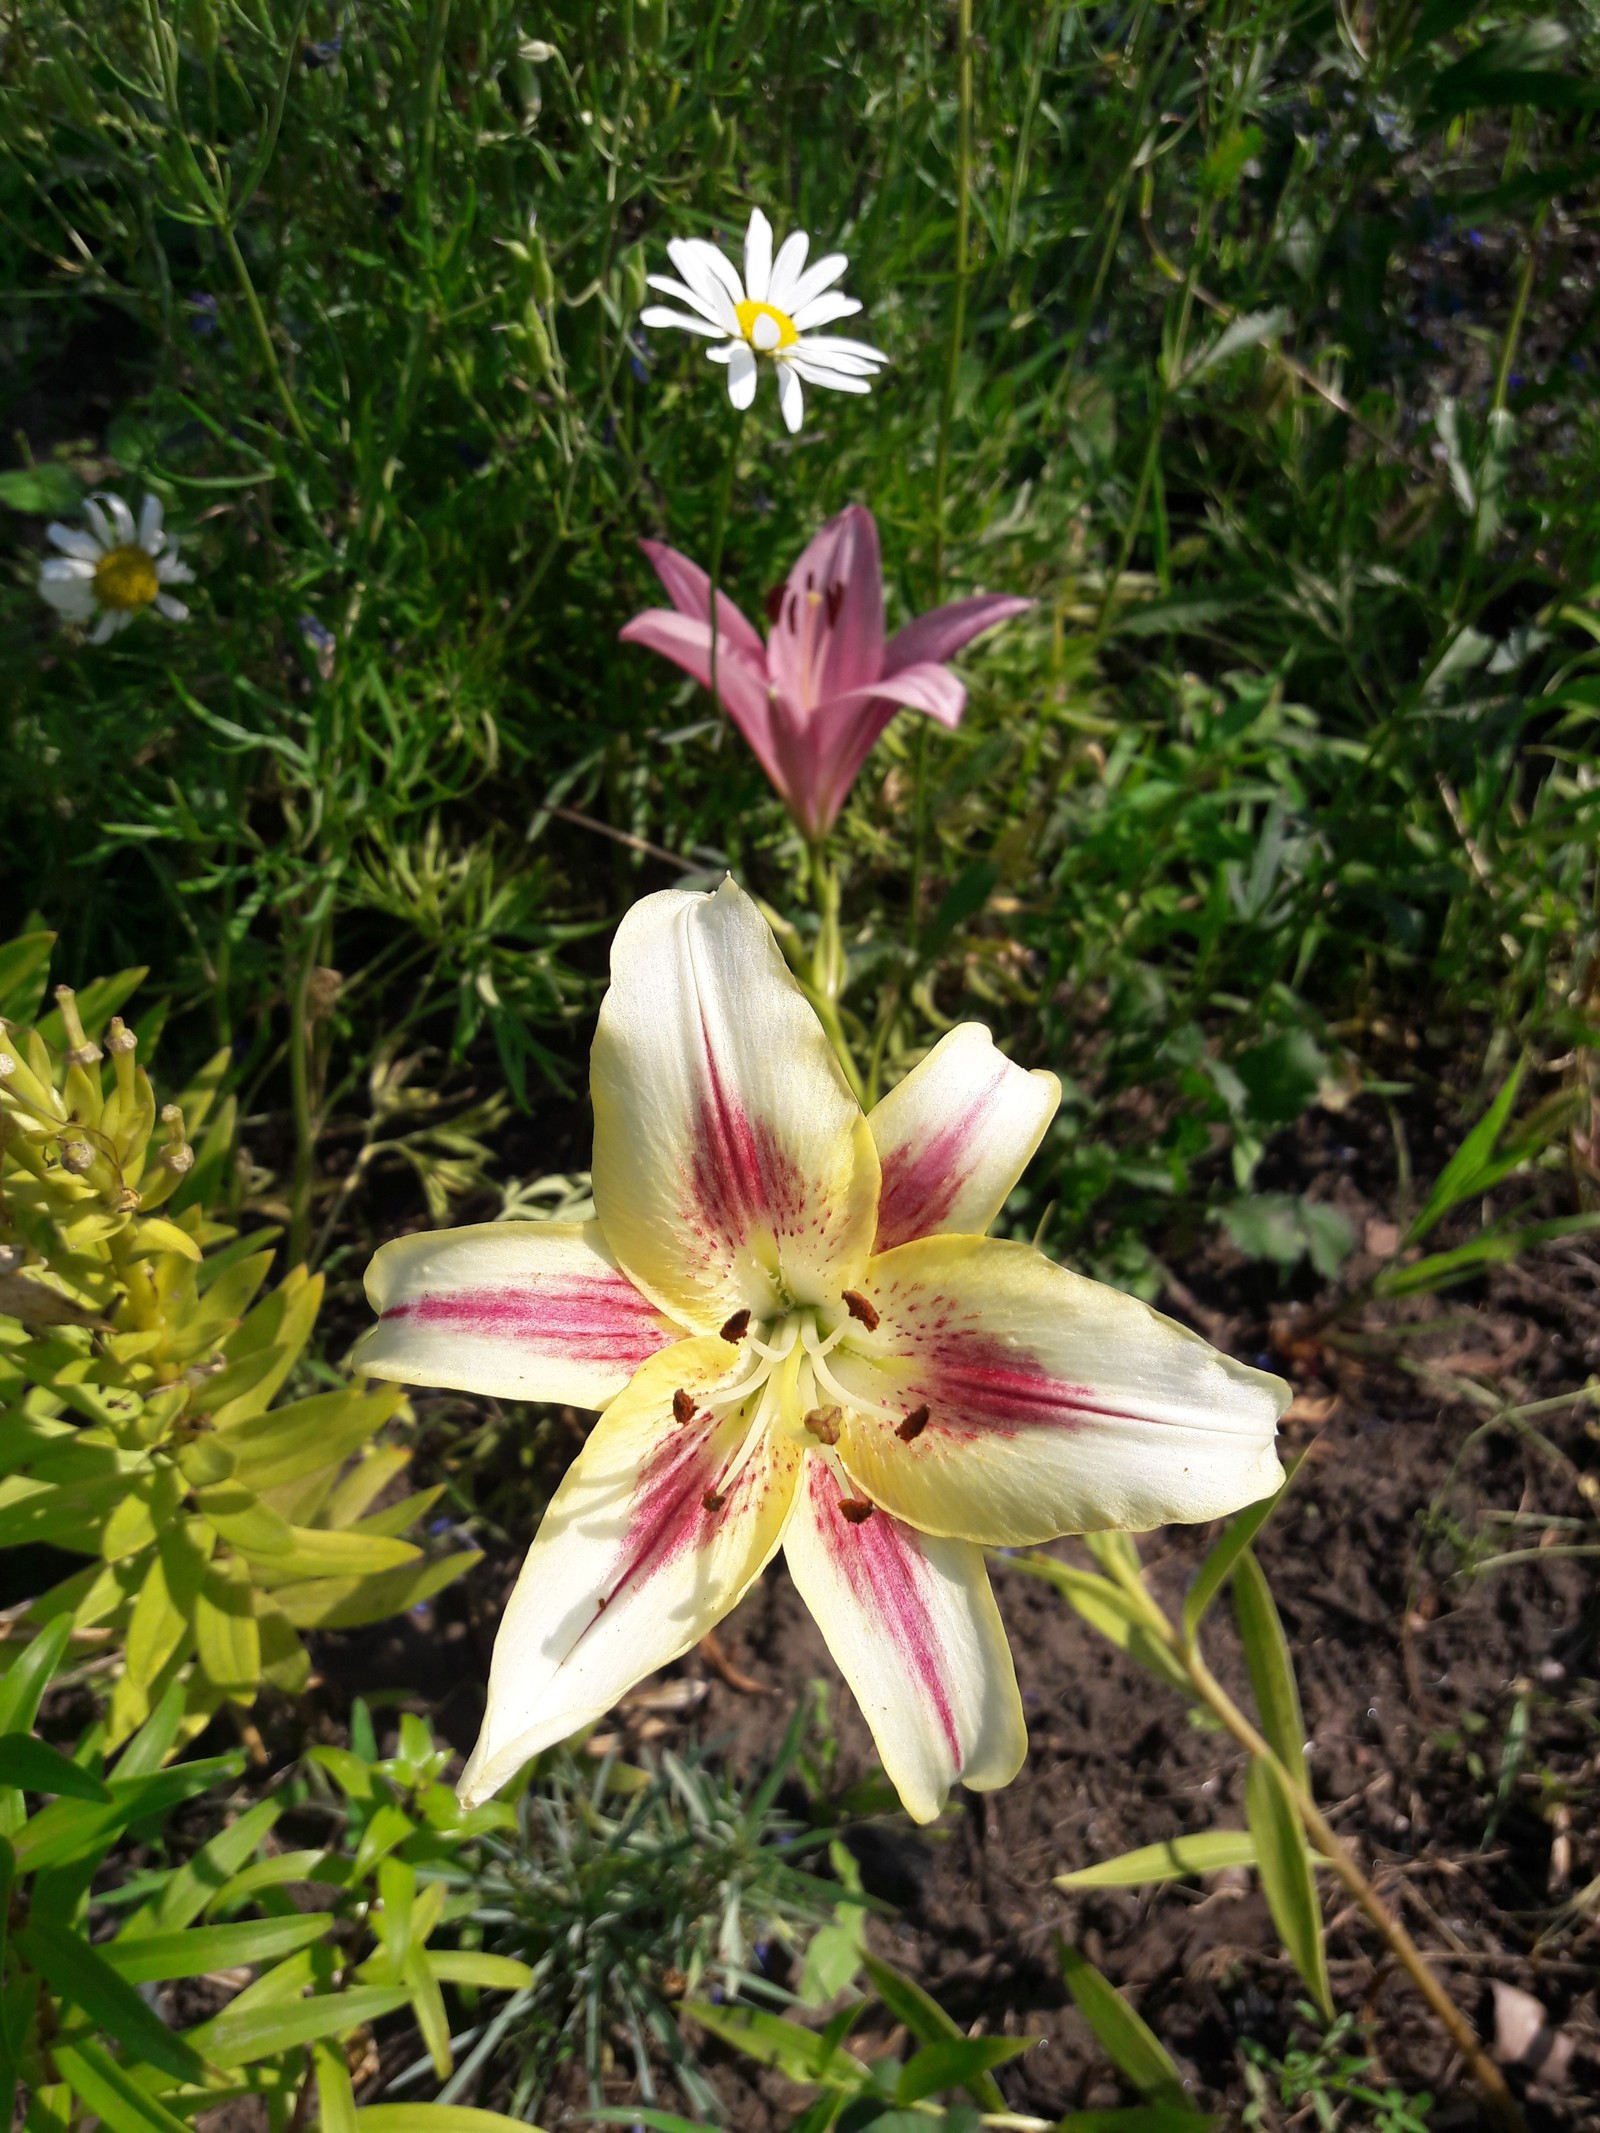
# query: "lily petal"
827, 636
757, 257
1012, 1401
689, 590
929, 688
940, 634
913, 1628
732, 1166
742, 690
631, 1564
954, 1137
518, 1310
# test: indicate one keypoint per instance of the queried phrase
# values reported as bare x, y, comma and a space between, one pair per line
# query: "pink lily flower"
814, 698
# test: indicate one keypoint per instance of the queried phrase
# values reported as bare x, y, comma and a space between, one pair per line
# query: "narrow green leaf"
185, 1893
955, 2063
925, 2019
28, 1676
1266, 1653
462, 2118
78, 1974
336, 2098
109, 2091
1286, 1876
1206, 1852
489, 1973
1224, 1552
240, 2039
1127, 2039
1106, 1608
771, 2041
37, 1767
1455, 1182
1138, 2118
152, 1958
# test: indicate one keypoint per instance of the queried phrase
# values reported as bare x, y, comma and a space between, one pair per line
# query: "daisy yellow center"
765, 329
125, 579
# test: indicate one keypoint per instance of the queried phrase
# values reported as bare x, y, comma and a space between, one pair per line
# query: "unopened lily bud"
537, 342
119, 1038
77, 1156
177, 1155
81, 1050
120, 1043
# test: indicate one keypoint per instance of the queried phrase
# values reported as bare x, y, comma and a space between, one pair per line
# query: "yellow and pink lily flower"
799, 1336
814, 699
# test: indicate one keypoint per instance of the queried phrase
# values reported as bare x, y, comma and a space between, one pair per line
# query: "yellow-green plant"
138, 1372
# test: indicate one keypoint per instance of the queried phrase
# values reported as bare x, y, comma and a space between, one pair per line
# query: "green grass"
1271, 387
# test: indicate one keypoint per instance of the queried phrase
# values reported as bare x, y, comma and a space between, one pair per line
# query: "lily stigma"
799, 1336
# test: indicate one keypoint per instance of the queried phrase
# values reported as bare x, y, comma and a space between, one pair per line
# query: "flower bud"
82, 1051
544, 280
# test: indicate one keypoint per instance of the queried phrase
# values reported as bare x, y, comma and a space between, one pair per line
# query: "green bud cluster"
141, 1357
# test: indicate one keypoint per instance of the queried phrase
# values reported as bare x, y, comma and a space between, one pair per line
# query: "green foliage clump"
139, 1367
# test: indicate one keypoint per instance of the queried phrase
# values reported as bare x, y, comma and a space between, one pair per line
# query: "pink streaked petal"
913, 1627
689, 590
661, 1525
742, 690
732, 1167
1039, 1403
827, 633
519, 1310
955, 1136
940, 634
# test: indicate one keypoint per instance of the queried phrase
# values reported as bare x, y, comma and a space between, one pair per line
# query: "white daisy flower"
773, 313
108, 574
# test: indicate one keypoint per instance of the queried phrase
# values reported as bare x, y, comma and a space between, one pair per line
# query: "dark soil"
1452, 1709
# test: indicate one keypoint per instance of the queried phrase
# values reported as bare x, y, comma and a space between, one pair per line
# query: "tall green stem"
305, 1135
828, 964
947, 408
719, 528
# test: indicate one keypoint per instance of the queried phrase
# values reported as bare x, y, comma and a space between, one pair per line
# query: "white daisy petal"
835, 348
72, 598
71, 542
62, 570
106, 628
174, 610
846, 366
823, 310
679, 294
836, 381
814, 280
724, 354
786, 270
709, 275
790, 399
150, 525
659, 315
741, 375
121, 518
171, 572
758, 257
99, 524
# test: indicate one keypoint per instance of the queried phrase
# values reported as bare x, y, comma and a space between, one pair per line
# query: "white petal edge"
791, 401
741, 374
758, 257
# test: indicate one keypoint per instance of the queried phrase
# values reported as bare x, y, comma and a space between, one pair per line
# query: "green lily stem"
828, 967
1503, 2108
305, 1131
719, 528
941, 463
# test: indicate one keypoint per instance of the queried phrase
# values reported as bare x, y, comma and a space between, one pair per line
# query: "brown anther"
913, 1425
858, 1307
711, 1501
682, 1406
737, 1327
823, 1423
856, 1509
